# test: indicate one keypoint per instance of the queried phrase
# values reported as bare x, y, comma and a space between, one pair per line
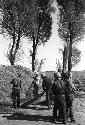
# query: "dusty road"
39, 115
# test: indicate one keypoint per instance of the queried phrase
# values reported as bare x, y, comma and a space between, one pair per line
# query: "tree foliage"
40, 20
40, 25
79, 5
15, 18
29, 18
76, 56
71, 26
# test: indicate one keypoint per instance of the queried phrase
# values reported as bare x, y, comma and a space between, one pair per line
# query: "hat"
67, 75
57, 74
37, 74
43, 74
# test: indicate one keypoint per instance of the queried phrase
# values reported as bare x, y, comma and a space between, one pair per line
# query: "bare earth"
39, 115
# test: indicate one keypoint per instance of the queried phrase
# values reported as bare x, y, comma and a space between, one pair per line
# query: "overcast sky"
49, 52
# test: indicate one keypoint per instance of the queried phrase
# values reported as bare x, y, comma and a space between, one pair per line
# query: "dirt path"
39, 115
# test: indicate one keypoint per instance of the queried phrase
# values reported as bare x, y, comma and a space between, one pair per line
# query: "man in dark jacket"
47, 84
16, 91
58, 90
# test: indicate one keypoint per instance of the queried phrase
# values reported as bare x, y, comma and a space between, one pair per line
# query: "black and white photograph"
42, 62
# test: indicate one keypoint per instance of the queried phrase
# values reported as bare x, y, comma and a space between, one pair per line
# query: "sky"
49, 52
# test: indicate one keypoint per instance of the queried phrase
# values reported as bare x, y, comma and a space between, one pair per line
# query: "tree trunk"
11, 58
17, 45
70, 56
12, 61
65, 58
33, 54
70, 49
14, 49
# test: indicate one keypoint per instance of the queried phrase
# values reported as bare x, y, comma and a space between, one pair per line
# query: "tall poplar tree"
15, 18
71, 26
40, 25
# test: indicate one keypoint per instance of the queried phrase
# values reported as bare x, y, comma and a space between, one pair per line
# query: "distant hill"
50, 74
79, 74
78, 78
75, 74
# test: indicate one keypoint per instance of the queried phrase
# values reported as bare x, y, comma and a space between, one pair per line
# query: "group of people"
60, 94
63, 90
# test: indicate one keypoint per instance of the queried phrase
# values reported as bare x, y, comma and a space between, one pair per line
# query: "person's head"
42, 75
19, 75
67, 75
36, 74
57, 75
70, 75
60, 69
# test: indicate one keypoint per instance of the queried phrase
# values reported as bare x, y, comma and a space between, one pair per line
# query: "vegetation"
7, 73
71, 26
76, 56
41, 25
15, 18
30, 19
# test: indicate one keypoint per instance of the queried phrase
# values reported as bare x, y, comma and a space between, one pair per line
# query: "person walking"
69, 95
58, 90
47, 84
16, 91
35, 86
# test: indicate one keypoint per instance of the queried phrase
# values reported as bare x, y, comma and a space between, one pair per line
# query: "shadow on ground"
28, 117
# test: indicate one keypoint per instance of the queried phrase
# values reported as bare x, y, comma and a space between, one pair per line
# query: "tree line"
32, 19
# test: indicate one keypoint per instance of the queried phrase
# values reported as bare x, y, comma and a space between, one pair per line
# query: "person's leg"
60, 116
47, 96
67, 109
51, 98
18, 100
63, 105
72, 113
55, 108
14, 101
48, 99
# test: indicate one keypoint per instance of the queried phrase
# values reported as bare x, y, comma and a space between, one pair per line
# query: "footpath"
37, 114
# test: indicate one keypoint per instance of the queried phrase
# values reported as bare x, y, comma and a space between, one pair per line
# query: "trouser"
48, 97
59, 103
69, 110
16, 100
69, 107
35, 92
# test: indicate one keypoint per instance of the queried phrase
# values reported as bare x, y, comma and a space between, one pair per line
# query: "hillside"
7, 73
79, 74
75, 74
